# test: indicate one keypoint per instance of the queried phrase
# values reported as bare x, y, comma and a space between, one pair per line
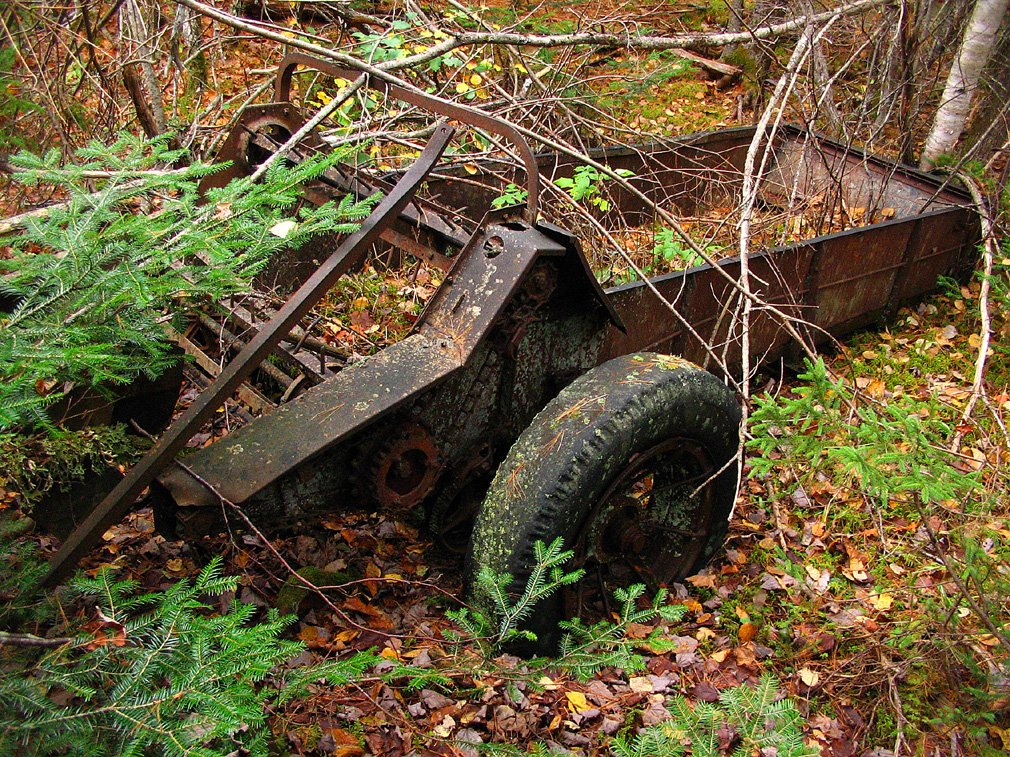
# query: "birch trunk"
965, 72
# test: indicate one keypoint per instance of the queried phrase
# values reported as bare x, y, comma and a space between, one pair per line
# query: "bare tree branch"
693, 41
31, 640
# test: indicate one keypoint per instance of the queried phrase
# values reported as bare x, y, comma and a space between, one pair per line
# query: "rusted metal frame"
201, 380
246, 393
116, 503
419, 211
229, 340
472, 299
297, 359
469, 116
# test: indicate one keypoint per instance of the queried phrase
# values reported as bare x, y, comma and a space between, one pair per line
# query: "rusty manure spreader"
528, 403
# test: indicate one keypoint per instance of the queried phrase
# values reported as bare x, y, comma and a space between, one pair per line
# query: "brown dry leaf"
857, 571
377, 618
638, 631
640, 684
707, 581
809, 677
747, 632
361, 320
876, 389
309, 634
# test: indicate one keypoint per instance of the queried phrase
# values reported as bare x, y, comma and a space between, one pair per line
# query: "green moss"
35, 464
294, 592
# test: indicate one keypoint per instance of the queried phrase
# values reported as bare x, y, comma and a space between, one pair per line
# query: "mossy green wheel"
633, 465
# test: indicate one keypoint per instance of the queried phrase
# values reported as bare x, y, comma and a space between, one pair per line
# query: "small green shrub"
761, 719
151, 674
499, 623
94, 281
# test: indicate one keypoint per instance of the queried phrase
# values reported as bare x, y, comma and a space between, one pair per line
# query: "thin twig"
31, 640
989, 246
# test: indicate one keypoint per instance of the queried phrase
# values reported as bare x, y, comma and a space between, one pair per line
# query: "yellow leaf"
813, 572
876, 389
548, 683
520, 68
476, 80
882, 602
577, 701
389, 653
809, 677
470, 168
975, 341
721, 655
462, 87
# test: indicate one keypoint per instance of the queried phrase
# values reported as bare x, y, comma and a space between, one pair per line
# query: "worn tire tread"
560, 465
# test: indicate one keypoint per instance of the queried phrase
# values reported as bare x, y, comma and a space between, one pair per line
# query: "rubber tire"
565, 461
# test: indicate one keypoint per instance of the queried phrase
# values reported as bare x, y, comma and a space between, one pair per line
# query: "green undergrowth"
32, 465
188, 670
760, 717
173, 672
895, 526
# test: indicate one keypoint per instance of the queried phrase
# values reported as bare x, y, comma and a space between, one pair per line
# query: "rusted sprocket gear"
403, 469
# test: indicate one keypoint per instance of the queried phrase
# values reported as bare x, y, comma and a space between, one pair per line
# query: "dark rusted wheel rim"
650, 526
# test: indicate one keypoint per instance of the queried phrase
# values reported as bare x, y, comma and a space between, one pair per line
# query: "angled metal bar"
117, 502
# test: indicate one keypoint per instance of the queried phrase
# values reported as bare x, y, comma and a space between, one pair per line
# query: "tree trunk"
989, 125
138, 70
965, 72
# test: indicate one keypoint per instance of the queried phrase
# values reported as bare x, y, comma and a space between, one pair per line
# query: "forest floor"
820, 584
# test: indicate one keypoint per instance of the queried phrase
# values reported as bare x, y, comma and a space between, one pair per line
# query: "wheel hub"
653, 518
